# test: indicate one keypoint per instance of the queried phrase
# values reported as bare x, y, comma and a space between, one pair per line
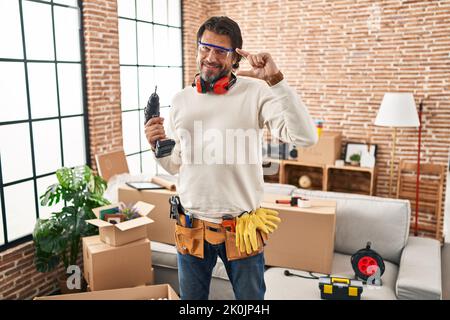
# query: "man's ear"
236, 59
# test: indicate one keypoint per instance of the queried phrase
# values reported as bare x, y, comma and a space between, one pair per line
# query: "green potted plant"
355, 159
58, 238
129, 211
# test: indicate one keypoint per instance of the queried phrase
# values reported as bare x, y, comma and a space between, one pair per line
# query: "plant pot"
354, 163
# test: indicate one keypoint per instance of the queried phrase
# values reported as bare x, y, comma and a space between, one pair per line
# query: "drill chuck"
152, 108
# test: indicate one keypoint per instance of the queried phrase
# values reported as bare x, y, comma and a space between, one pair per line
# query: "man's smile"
210, 66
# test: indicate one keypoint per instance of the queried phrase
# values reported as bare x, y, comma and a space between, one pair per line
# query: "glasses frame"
228, 50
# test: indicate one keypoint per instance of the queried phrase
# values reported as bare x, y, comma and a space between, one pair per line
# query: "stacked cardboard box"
304, 239
155, 292
163, 228
326, 151
120, 257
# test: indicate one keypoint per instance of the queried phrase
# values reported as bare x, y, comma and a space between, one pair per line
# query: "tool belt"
190, 240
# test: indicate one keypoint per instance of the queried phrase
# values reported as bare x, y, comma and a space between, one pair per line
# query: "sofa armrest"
419, 273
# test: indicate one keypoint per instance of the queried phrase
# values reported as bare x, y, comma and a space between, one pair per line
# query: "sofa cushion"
419, 275
359, 219
278, 188
281, 287
165, 255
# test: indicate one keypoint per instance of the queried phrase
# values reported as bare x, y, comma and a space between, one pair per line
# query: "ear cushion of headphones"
220, 86
203, 86
198, 85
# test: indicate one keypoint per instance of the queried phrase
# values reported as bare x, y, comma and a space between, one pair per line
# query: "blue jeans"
246, 275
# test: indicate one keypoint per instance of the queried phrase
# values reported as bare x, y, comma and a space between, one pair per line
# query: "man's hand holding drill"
154, 130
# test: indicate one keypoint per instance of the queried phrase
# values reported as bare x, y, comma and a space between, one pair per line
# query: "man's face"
210, 65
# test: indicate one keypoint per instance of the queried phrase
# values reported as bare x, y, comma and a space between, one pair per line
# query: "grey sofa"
413, 265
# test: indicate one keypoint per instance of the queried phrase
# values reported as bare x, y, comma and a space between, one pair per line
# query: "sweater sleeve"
287, 118
172, 162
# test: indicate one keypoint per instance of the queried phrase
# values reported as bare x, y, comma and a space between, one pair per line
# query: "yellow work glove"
246, 240
269, 219
265, 220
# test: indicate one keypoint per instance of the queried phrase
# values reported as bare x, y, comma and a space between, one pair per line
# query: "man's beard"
208, 77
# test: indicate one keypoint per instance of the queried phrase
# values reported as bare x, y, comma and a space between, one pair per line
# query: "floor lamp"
416, 217
397, 110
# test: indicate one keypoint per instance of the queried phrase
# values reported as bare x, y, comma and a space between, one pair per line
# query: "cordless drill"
163, 147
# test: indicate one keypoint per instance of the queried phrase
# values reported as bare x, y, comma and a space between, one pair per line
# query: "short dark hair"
226, 26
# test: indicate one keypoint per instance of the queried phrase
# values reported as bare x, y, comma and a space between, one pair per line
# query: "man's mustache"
212, 64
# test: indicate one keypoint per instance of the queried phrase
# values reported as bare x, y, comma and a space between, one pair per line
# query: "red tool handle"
283, 201
229, 224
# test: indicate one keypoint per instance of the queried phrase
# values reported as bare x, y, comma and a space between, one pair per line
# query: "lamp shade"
397, 110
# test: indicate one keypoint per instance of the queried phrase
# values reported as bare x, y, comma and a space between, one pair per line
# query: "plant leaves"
58, 238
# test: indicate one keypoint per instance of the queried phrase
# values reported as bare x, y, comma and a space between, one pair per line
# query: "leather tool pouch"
190, 240
233, 252
214, 233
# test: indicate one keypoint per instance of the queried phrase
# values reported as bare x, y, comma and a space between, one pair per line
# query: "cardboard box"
304, 239
124, 232
326, 151
107, 267
111, 163
163, 228
155, 292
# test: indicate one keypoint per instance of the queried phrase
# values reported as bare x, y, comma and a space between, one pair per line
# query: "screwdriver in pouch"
188, 218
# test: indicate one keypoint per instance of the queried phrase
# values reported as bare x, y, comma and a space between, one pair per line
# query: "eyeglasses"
220, 52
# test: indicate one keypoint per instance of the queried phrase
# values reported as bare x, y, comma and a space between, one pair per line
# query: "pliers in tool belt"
175, 206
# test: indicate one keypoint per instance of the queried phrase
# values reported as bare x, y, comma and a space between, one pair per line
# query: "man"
217, 124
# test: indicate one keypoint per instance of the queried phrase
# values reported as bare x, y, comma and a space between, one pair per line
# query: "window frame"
84, 115
140, 108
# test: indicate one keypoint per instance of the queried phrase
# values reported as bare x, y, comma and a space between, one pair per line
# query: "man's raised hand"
262, 65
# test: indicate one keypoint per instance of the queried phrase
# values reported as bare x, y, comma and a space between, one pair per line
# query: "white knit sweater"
218, 151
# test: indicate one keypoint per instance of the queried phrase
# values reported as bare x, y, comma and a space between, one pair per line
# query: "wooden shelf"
273, 178
348, 179
352, 168
291, 171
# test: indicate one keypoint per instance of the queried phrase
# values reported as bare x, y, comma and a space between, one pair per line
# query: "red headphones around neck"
220, 86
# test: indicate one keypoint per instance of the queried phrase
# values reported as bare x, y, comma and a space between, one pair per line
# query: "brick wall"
102, 76
194, 14
18, 276
342, 56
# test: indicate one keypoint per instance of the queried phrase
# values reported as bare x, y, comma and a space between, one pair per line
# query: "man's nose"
211, 57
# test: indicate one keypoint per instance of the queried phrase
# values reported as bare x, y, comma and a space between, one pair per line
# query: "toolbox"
334, 288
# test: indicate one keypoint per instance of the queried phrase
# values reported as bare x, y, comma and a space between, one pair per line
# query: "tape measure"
335, 288
366, 262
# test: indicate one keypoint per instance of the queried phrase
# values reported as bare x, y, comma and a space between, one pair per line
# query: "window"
150, 47
42, 118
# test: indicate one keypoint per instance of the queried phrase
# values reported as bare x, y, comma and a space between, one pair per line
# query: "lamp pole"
394, 140
416, 222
